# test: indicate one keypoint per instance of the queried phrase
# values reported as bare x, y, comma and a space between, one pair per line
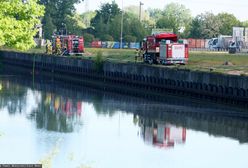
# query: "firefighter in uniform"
58, 46
48, 47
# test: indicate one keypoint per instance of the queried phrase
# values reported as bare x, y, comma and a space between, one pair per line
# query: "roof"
165, 35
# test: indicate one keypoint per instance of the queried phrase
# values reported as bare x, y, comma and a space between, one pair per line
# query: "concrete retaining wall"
138, 75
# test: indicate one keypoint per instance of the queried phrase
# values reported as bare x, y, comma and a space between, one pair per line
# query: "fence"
114, 45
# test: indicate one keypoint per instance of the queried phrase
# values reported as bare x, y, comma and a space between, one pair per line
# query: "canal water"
70, 126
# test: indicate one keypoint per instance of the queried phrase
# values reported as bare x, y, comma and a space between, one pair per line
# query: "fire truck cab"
163, 48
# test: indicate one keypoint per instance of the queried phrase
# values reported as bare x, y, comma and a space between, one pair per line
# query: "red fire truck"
68, 45
163, 48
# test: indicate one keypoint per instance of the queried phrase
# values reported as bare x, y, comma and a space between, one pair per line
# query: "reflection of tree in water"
52, 112
101, 106
57, 113
12, 97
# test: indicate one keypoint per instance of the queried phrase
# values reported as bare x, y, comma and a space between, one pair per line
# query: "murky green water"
64, 126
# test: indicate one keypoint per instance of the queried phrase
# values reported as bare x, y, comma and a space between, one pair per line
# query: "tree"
74, 24
88, 38
87, 17
102, 21
206, 25
106, 13
175, 16
245, 23
133, 11
49, 28
107, 37
129, 38
18, 21
197, 29
228, 21
155, 14
115, 28
61, 13
108, 21
211, 25
168, 23
137, 29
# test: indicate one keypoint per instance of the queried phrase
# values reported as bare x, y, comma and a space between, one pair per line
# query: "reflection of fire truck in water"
161, 134
63, 105
68, 45
163, 48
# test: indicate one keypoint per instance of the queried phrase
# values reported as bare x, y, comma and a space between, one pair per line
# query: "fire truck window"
75, 43
158, 40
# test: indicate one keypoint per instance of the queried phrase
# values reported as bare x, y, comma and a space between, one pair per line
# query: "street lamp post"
122, 12
140, 10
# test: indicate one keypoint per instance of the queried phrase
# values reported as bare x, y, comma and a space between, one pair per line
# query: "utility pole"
122, 13
140, 10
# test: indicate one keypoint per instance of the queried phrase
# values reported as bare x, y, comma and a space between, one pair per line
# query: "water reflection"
161, 134
12, 97
58, 107
58, 113
113, 130
52, 112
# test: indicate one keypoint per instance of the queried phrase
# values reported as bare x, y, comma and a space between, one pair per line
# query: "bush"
107, 37
129, 38
88, 38
99, 62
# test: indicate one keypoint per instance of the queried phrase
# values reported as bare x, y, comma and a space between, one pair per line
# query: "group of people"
54, 48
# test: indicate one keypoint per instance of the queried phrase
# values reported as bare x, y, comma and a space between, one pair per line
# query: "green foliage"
245, 23
115, 28
175, 16
155, 14
107, 37
136, 29
133, 11
129, 38
206, 25
49, 28
61, 15
88, 38
17, 23
168, 23
106, 13
87, 17
99, 62
74, 24
196, 30
228, 21
104, 18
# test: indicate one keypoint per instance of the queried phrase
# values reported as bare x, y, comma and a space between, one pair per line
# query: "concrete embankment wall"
152, 78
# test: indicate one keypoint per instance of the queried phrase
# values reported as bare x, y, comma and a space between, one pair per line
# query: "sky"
239, 7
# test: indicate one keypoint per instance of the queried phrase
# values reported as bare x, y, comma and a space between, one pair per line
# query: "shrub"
107, 37
129, 38
99, 62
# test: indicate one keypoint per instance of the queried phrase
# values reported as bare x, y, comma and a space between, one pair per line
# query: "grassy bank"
219, 62
236, 64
